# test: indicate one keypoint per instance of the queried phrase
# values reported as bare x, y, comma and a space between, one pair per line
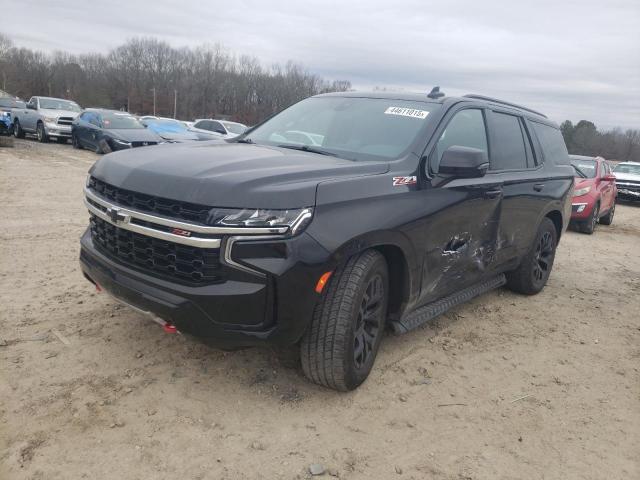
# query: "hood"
228, 174
134, 134
627, 177
48, 112
580, 182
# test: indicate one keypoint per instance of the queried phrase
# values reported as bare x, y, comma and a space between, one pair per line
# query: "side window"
552, 143
603, 169
217, 127
94, 119
33, 102
508, 150
465, 129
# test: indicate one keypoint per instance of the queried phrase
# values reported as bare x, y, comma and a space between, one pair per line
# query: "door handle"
538, 187
493, 193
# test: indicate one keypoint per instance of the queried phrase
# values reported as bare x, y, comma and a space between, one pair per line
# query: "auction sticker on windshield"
406, 112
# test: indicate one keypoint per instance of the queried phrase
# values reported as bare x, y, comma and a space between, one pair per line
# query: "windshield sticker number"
406, 112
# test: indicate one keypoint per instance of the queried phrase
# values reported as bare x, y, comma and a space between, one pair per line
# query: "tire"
339, 348
534, 270
589, 225
41, 133
17, 130
75, 142
608, 218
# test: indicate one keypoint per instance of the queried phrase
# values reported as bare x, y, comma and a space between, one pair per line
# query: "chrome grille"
65, 120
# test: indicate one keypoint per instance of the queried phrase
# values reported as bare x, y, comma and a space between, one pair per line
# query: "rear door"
606, 186
513, 163
459, 235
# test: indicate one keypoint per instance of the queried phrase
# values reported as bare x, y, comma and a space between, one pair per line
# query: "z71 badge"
399, 181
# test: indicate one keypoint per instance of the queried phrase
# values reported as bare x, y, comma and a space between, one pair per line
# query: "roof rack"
502, 102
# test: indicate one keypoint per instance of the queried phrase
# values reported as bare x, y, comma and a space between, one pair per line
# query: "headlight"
581, 191
50, 119
295, 219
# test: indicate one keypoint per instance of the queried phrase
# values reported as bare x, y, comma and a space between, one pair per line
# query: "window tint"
508, 150
552, 143
465, 129
217, 127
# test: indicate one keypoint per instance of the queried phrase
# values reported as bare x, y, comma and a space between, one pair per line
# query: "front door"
460, 231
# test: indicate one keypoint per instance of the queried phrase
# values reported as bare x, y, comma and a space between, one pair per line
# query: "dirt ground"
504, 387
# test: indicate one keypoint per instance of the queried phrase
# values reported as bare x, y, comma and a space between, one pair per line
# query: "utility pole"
154, 101
175, 102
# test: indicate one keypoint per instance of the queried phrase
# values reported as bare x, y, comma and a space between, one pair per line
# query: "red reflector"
169, 328
322, 281
98, 288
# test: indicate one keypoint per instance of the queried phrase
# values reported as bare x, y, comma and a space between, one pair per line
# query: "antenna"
435, 93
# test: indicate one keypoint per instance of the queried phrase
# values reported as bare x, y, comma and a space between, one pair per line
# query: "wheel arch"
399, 254
556, 217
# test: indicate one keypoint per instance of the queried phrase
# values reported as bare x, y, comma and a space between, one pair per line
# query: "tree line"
584, 138
201, 82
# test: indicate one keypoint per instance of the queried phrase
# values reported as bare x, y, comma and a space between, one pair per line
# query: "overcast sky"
570, 59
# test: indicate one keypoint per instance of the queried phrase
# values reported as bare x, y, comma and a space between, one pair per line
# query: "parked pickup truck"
341, 216
46, 117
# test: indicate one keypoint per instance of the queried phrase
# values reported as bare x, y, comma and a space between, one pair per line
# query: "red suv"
594, 194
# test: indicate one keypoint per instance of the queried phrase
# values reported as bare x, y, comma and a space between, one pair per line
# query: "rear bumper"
244, 310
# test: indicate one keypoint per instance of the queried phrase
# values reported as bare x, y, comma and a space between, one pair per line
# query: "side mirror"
463, 162
220, 130
609, 178
31, 106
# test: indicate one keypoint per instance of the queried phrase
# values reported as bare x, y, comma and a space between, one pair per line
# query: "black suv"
342, 215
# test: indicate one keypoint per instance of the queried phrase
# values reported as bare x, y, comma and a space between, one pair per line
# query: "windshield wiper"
307, 148
580, 172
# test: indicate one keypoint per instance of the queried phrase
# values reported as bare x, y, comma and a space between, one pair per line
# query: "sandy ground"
504, 387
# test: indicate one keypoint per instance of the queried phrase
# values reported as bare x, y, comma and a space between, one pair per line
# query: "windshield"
11, 103
165, 125
55, 104
112, 121
233, 127
350, 128
627, 168
588, 168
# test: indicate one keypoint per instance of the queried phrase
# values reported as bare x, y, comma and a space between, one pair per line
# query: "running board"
431, 310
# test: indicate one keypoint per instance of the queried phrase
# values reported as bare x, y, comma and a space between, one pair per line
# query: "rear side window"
552, 143
465, 129
508, 150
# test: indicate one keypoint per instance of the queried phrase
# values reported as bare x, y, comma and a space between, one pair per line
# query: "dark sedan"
105, 131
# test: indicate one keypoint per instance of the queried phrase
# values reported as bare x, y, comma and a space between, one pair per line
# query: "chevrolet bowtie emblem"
115, 215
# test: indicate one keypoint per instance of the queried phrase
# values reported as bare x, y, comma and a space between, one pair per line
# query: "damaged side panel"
461, 241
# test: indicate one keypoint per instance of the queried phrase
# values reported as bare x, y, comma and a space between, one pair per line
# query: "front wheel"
608, 218
75, 142
534, 270
17, 130
341, 344
41, 133
589, 226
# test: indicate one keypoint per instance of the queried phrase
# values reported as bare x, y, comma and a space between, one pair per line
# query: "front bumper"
246, 309
628, 190
55, 130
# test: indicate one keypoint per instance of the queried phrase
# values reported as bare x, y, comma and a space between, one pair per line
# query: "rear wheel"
41, 133
17, 130
340, 347
608, 218
532, 274
590, 223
